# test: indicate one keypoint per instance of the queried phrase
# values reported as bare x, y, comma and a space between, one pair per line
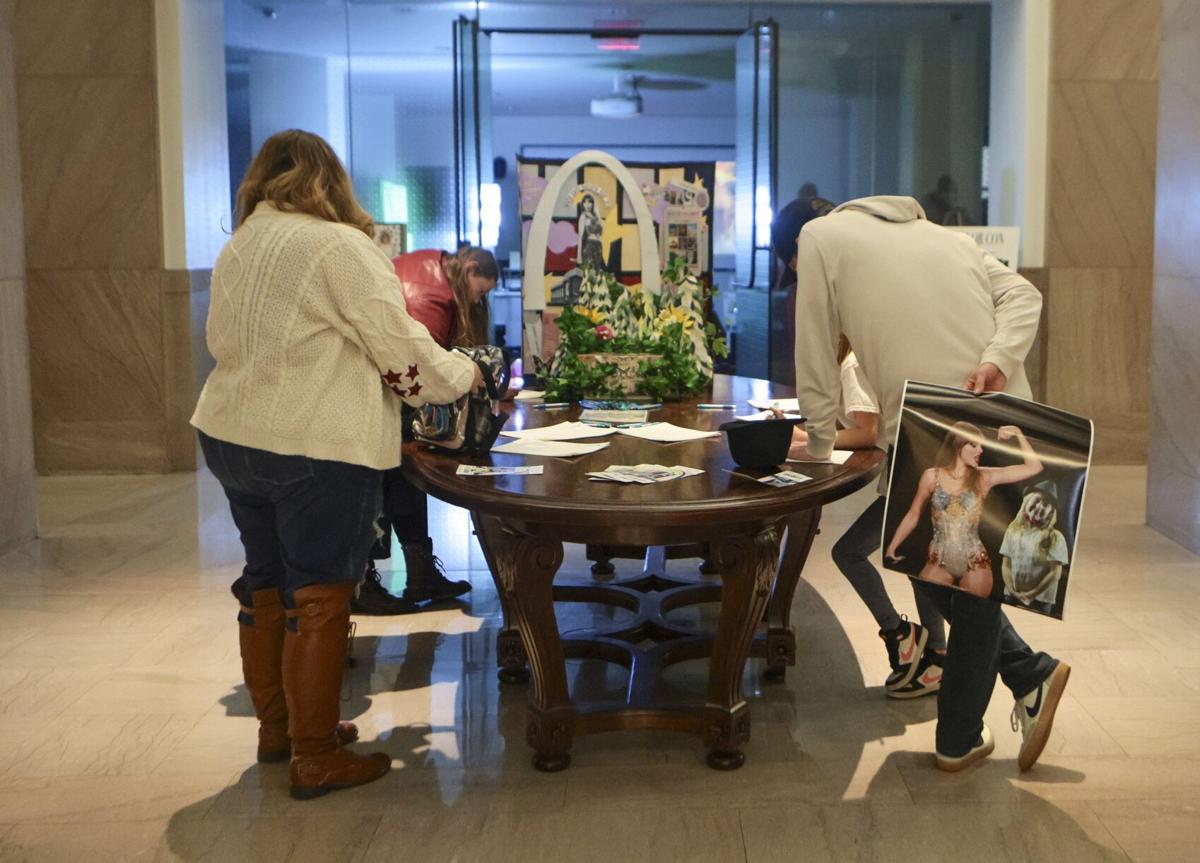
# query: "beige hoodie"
916, 301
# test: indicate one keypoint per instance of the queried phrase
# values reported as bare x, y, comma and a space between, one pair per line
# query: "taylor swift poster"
985, 495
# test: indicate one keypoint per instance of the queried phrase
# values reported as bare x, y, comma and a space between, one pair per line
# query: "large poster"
985, 495
594, 224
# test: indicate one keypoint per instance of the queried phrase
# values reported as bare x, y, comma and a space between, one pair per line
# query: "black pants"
302, 520
405, 510
982, 644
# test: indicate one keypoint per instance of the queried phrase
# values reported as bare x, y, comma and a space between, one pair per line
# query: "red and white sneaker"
905, 647
926, 679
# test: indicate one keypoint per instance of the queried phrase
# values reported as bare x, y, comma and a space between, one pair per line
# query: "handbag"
470, 424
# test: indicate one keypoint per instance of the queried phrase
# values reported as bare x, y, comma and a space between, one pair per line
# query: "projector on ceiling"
624, 102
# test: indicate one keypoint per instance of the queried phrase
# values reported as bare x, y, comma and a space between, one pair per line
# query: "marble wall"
18, 500
1103, 121
1173, 491
109, 327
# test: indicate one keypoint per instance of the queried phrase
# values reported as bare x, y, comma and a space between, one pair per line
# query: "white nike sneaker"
1033, 715
978, 752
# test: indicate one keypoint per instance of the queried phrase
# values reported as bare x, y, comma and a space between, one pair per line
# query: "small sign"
1004, 243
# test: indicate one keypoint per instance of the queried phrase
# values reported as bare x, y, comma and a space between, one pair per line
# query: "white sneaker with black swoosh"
982, 749
1033, 715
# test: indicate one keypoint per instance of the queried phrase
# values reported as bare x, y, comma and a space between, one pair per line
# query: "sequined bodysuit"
956, 546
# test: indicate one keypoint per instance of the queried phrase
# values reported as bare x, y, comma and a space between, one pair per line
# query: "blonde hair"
471, 326
299, 172
957, 436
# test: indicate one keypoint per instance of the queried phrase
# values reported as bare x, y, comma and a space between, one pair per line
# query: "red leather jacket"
427, 293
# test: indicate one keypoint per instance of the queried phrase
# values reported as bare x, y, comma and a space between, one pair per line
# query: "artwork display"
985, 495
617, 275
593, 223
392, 238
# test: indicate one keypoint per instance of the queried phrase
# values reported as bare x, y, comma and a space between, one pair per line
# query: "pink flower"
605, 332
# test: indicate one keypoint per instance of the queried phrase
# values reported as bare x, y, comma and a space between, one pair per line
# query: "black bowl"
760, 443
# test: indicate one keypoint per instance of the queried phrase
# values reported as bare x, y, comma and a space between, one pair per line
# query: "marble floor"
126, 735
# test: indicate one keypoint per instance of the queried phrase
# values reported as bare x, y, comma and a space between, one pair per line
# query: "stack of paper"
665, 432
614, 417
788, 406
498, 470
529, 395
643, 473
558, 431
756, 417
553, 448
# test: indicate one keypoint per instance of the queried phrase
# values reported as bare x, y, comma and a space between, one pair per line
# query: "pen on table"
715, 407
545, 406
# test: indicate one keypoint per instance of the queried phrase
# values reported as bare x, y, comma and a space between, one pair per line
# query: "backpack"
470, 424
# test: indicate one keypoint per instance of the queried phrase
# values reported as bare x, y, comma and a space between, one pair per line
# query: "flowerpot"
625, 379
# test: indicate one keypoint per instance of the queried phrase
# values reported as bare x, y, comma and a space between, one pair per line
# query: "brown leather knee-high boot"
314, 654
260, 634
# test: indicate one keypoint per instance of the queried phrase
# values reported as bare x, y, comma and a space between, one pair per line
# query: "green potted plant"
622, 341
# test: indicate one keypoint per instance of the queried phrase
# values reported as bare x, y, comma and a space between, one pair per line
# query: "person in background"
297, 422
448, 294
922, 303
941, 205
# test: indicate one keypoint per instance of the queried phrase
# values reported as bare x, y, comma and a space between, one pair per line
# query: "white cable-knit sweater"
313, 345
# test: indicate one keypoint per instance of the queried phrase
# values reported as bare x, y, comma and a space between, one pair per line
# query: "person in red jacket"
448, 294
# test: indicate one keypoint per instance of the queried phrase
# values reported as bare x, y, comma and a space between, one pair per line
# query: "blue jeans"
405, 511
982, 644
851, 553
302, 520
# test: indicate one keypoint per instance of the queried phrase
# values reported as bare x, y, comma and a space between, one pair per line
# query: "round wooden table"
523, 521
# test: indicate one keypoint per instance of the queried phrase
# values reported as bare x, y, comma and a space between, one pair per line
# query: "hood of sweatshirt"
893, 208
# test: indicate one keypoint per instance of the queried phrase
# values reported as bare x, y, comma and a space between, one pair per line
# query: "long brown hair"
298, 172
471, 327
957, 436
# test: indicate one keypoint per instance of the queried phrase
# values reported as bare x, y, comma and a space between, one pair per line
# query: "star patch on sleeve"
412, 372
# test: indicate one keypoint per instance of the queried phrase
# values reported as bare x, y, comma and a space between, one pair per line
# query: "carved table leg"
781, 640
747, 569
510, 653
525, 569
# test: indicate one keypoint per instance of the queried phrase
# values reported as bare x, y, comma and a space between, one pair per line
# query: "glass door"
756, 83
472, 126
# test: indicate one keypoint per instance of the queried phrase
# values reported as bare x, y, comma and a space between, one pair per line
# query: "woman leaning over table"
314, 352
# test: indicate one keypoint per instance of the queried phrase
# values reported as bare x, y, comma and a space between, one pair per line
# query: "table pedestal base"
524, 567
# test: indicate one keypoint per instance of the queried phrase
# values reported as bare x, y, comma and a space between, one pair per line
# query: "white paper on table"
559, 431
758, 417
788, 406
666, 433
552, 448
529, 395
839, 456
